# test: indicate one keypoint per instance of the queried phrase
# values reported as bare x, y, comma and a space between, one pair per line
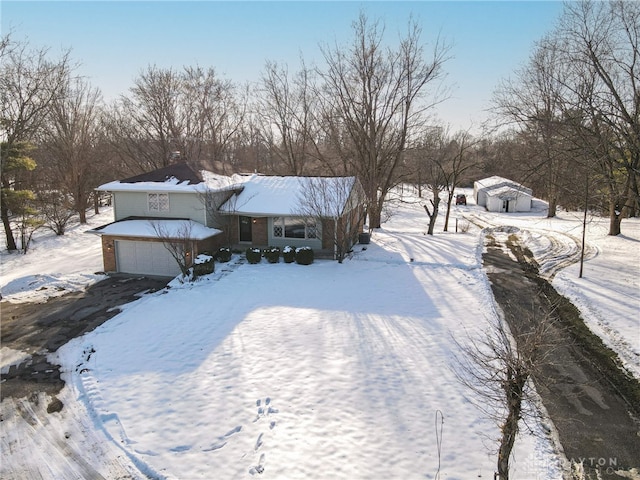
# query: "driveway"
590, 401
41, 328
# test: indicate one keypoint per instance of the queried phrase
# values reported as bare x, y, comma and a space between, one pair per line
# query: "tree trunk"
433, 215
514, 389
446, 217
4, 212
615, 219
375, 218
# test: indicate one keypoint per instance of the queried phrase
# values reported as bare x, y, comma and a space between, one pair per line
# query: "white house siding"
181, 205
515, 202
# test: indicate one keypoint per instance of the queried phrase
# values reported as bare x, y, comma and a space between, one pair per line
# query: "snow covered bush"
254, 255
223, 255
272, 254
203, 265
304, 256
289, 254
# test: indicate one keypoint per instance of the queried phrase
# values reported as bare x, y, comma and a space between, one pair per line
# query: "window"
295, 227
158, 202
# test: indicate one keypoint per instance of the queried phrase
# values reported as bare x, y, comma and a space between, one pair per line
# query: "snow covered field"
321, 371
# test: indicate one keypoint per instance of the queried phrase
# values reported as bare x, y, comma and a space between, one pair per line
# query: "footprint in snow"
233, 431
259, 442
258, 468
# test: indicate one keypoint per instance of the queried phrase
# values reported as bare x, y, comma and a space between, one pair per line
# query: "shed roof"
494, 182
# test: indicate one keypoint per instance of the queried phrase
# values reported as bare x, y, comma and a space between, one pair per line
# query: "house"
498, 194
167, 205
201, 211
324, 213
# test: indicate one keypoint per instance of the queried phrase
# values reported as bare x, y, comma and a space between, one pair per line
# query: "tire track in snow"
563, 251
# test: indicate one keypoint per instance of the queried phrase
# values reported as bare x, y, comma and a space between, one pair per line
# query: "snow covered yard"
325, 371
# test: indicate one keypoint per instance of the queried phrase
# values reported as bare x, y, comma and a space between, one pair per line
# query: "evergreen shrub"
272, 254
289, 254
304, 256
254, 255
223, 255
203, 264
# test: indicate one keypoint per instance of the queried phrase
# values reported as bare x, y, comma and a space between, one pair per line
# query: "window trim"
280, 222
157, 194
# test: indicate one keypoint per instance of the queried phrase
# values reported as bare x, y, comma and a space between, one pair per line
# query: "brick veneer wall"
210, 245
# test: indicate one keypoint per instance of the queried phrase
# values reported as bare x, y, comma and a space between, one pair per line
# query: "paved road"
41, 328
593, 420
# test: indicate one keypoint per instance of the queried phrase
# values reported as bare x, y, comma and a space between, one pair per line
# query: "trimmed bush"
272, 254
289, 254
254, 255
203, 264
223, 255
304, 256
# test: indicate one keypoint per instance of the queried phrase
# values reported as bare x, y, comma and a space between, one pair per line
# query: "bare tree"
286, 109
498, 366
190, 114
56, 210
431, 153
29, 82
535, 101
462, 159
70, 142
178, 241
373, 98
336, 200
600, 43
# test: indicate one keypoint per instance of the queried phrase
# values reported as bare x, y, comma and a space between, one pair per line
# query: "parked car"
461, 199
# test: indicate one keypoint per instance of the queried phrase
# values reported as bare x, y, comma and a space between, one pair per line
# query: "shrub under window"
254, 255
272, 254
289, 254
304, 256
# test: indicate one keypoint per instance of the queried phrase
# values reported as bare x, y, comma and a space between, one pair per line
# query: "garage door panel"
148, 258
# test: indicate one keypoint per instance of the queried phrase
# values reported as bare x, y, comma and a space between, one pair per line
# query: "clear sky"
115, 40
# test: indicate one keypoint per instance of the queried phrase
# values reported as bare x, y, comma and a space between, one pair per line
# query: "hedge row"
301, 255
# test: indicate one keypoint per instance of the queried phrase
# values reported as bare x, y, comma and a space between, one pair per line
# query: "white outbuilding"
498, 194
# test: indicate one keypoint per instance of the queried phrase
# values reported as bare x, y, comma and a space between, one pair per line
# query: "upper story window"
158, 202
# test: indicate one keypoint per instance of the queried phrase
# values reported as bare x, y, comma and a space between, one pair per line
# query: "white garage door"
149, 258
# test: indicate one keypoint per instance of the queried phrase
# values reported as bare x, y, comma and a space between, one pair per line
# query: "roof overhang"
157, 228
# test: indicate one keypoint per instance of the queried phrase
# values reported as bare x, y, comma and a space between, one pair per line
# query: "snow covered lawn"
321, 371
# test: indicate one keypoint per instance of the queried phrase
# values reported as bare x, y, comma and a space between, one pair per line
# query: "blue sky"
115, 40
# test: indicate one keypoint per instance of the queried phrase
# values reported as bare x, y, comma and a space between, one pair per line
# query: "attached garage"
148, 258
137, 246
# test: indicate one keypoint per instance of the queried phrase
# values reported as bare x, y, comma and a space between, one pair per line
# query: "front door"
244, 224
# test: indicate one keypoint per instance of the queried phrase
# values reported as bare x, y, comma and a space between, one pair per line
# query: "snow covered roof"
508, 191
495, 181
281, 196
144, 228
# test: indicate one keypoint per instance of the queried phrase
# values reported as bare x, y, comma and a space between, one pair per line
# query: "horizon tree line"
569, 121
